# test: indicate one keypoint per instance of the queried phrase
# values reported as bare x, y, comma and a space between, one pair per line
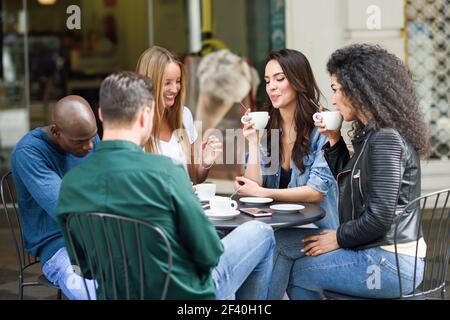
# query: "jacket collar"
370, 127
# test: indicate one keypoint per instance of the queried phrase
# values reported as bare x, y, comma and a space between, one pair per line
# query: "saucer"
287, 207
255, 200
221, 216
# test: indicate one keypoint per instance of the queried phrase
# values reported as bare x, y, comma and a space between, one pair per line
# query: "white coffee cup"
331, 119
222, 205
260, 119
205, 191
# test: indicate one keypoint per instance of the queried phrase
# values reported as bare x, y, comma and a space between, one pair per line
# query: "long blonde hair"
152, 63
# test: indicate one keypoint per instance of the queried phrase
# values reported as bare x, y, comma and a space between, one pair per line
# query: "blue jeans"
59, 271
245, 267
370, 273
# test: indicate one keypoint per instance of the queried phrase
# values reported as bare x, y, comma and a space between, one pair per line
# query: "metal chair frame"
438, 249
95, 264
25, 260
438, 253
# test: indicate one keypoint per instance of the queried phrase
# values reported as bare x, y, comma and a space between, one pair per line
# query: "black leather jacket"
375, 184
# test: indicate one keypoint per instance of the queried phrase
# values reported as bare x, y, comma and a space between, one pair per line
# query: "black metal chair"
25, 260
437, 237
111, 249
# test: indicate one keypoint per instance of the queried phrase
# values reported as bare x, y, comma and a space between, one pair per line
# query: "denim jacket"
316, 175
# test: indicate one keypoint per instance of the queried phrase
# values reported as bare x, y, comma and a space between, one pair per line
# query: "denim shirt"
316, 175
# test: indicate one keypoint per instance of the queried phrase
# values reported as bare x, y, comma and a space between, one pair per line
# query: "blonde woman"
173, 132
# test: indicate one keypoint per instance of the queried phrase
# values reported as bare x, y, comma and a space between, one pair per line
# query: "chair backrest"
9, 202
435, 224
114, 250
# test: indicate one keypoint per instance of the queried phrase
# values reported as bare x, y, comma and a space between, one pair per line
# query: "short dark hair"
122, 94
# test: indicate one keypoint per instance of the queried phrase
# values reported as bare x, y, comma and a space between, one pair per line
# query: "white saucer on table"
222, 215
255, 200
287, 207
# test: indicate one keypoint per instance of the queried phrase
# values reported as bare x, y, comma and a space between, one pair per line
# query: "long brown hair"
153, 63
298, 72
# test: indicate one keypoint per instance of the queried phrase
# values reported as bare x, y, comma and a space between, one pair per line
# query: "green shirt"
121, 178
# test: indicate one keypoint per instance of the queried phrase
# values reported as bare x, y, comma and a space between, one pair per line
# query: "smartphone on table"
256, 212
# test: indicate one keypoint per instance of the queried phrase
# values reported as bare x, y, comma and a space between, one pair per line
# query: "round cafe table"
278, 220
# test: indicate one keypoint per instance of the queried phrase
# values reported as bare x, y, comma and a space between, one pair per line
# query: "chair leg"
58, 296
20, 291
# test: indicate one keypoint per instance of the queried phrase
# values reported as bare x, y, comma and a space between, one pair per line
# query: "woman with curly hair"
374, 89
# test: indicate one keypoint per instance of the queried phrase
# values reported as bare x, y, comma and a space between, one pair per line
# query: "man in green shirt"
121, 178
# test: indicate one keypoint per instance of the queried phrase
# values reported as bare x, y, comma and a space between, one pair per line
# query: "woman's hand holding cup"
329, 124
252, 127
250, 133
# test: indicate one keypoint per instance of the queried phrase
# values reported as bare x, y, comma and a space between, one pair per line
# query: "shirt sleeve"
188, 122
197, 232
320, 177
385, 167
41, 182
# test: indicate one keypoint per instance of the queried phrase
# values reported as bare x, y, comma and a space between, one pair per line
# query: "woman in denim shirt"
291, 166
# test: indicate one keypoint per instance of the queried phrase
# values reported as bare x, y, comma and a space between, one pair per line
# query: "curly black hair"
377, 83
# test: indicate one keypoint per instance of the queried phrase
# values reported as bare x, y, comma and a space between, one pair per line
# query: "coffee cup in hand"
332, 120
259, 119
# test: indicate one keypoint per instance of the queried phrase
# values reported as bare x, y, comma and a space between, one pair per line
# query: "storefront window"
13, 105
64, 58
428, 25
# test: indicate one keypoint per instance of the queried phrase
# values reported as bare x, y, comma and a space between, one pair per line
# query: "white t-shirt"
173, 148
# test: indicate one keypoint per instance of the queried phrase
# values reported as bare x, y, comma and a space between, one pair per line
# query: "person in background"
373, 88
174, 133
225, 80
40, 160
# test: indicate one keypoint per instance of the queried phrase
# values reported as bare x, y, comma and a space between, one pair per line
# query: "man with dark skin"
73, 126
39, 162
